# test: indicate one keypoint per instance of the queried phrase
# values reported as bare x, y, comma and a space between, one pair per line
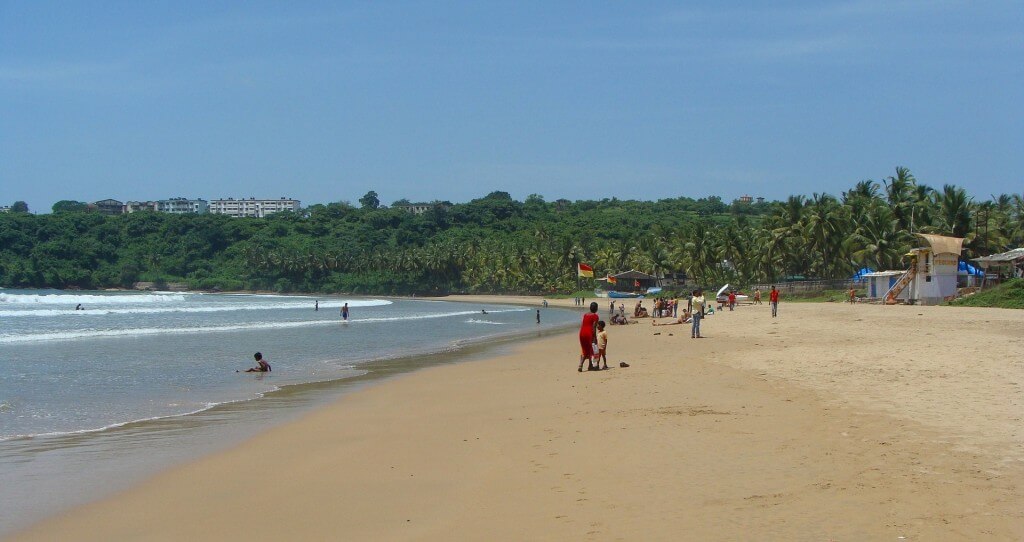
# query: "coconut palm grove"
496, 244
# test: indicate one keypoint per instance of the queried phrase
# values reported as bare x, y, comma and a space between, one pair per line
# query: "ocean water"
134, 382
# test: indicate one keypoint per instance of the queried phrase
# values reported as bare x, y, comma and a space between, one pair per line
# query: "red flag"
584, 270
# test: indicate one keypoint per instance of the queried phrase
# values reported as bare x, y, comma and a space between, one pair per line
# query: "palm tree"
824, 231
922, 209
954, 211
879, 242
1017, 221
897, 190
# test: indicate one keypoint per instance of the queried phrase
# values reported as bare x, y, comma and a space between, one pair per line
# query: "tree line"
496, 244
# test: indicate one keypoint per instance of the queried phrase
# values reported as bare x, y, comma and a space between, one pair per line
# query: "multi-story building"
108, 206
138, 206
418, 208
181, 206
252, 207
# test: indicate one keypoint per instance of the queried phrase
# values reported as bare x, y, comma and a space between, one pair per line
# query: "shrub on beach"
1008, 295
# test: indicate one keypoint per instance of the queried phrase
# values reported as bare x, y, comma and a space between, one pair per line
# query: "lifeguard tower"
932, 275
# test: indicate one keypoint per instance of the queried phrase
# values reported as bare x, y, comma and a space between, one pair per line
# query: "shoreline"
716, 438
185, 437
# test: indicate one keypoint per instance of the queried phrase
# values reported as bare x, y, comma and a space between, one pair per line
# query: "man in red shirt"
773, 299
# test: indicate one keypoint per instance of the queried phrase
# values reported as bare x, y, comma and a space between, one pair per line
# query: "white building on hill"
182, 206
253, 207
140, 206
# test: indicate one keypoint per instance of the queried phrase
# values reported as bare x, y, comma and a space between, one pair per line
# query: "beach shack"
932, 276
1004, 265
631, 281
879, 282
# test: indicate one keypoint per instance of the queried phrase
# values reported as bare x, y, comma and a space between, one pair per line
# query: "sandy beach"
830, 422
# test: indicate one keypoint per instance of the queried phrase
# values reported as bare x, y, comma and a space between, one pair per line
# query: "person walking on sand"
853, 295
588, 332
773, 300
757, 296
344, 312
697, 303
602, 344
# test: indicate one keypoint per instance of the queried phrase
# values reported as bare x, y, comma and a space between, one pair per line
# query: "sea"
100, 389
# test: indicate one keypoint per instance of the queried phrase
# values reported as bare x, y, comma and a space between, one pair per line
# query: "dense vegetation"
1008, 295
496, 244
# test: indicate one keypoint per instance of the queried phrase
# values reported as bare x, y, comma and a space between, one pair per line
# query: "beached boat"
723, 296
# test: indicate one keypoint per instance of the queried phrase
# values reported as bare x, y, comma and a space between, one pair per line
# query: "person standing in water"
316, 308
538, 316
344, 312
588, 333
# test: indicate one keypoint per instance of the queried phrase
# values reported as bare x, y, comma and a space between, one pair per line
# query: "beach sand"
831, 422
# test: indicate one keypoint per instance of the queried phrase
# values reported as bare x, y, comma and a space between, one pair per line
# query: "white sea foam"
23, 311
140, 332
90, 299
475, 321
207, 406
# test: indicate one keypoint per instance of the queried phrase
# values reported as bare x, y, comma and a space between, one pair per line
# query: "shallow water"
94, 399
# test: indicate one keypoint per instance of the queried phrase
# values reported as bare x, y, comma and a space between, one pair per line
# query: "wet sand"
844, 422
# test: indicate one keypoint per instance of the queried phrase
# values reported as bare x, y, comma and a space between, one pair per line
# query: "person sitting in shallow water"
262, 365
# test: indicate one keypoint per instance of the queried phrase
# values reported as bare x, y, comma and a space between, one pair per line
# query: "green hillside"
496, 244
1008, 295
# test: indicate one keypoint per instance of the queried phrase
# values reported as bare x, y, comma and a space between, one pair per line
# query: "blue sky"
452, 100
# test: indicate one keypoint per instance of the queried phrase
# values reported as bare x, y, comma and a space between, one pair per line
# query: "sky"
325, 101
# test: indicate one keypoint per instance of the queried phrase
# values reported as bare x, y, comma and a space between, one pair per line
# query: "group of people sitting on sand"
683, 318
617, 315
663, 307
